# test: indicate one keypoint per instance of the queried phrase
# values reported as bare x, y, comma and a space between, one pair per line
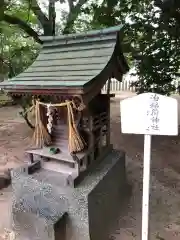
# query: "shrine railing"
125, 85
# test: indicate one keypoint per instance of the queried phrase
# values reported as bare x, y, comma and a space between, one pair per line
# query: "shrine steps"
52, 177
58, 167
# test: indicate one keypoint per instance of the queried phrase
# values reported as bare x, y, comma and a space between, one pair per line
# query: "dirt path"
14, 138
165, 184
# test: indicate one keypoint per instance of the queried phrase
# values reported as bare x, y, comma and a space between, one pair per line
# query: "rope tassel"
40, 137
76, 143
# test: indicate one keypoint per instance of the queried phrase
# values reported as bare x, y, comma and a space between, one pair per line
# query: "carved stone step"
57, 167
53, 177
45, 152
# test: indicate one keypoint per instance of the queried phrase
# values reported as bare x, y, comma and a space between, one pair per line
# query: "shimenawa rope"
41, 136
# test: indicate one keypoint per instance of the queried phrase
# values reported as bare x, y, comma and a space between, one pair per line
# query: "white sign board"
149, 113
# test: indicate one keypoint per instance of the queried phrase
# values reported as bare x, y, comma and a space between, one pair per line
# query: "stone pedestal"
37, 209
90, 208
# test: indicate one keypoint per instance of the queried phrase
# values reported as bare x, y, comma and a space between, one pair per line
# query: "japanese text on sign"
153, 113
149, 113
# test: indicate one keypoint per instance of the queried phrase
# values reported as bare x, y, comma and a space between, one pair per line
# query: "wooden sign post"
148, 114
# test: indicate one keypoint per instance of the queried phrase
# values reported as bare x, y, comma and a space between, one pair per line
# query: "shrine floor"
165, 176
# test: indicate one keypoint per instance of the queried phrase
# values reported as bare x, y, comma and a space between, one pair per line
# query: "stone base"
96, 203
91, 207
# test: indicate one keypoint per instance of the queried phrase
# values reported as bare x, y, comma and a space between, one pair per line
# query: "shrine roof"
74, 62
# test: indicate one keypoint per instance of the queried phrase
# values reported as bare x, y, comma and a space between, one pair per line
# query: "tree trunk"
27, 121
73, 14
48, 24
52, 17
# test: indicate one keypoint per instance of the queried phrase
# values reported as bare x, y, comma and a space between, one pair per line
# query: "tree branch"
44, 21
25, 116
169, 8
23, 25
167, 5
38, 12
158, 3
72, 16
71, 5
2, 8
176, 15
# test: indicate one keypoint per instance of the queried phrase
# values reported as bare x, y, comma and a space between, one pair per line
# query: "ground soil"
165, 175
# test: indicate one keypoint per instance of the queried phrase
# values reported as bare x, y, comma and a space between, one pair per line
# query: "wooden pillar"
100, 138
109, 86
108, 114
100, 143
91, 145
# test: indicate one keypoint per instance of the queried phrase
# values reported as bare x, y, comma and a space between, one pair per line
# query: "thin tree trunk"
109, 86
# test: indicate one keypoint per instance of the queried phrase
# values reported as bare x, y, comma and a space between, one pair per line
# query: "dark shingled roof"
74, 63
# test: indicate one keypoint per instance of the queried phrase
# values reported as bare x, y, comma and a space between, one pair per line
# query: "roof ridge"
101, 32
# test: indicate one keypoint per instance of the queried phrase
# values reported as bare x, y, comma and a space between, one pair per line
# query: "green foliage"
151, 44
157, 51
150, 41
21, 10
17, 50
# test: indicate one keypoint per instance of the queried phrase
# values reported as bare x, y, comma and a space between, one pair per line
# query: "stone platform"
46, 210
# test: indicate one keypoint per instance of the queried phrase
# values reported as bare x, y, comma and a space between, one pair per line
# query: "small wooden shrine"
73, 128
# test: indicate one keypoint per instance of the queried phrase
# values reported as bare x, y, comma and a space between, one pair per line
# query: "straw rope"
76, 143
41, 136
